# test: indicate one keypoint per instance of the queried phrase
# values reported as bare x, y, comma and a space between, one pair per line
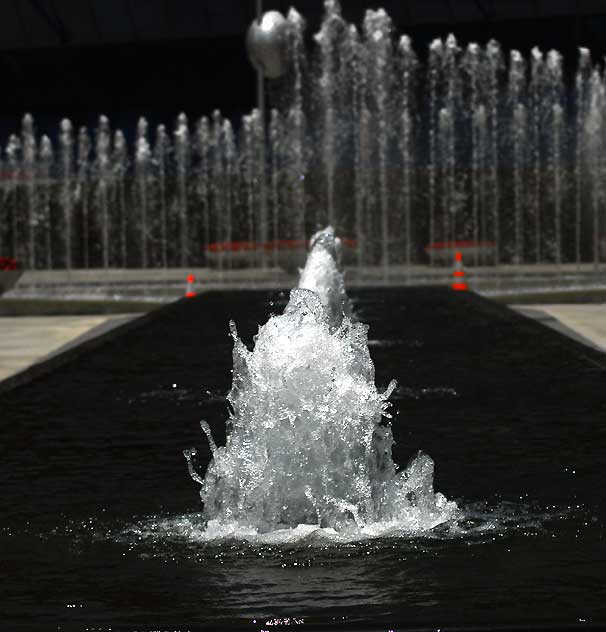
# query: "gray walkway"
26, 340
585, 323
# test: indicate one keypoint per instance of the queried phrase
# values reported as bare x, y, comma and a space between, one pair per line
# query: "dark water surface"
93, 481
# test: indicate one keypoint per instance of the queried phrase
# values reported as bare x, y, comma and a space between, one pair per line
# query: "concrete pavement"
26, 340
586, 323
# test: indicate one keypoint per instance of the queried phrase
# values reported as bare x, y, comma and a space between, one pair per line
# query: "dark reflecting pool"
100, 522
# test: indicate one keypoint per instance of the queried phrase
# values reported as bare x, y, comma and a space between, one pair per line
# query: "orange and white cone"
189, 288
459, 274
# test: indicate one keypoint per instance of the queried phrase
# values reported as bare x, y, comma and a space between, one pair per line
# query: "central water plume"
322, 275
308, 438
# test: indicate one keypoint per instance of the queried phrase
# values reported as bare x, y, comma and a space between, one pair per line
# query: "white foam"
475, 523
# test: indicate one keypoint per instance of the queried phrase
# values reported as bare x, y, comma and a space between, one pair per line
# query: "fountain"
307, 519
404, 152
102, 527
308, 441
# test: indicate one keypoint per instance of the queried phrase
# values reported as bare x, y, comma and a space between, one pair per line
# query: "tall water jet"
581, 87
203, 186
182, 157
13, 153
435, 64
446, 172
248, 172
448, 138
103, 152
161, 149
517, 81
329, 39
83, 157
296, 126
594, 130
46, 161
361, 114
407, 146
494, 62
556, 141
377, 32
28, 142
67, 143
254, 173
519, 135
308, 442
472, 65
120, 166
217, 178
537, 88
231, 185
142, 166
261, 179
276, 134
481, 228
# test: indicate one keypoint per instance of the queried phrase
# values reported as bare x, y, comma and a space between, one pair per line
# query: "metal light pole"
266, 46
263, 157
260, 77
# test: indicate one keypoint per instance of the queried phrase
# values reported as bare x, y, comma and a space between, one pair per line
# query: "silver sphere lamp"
266, 42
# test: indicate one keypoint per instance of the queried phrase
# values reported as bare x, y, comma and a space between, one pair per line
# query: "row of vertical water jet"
397, 150
469, 146
92, 199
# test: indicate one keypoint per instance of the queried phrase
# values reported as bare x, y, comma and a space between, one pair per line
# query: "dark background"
126, 58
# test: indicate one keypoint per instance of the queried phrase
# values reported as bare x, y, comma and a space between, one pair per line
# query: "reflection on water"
316, 576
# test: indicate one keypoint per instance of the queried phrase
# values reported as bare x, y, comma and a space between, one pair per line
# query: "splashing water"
308, 440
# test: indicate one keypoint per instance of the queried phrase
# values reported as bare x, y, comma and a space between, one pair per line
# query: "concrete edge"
554, 323
94, 332
101, 335
90, 340
577, 343
584, 347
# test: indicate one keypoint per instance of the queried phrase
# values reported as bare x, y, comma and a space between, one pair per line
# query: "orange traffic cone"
189, 289
459, 274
